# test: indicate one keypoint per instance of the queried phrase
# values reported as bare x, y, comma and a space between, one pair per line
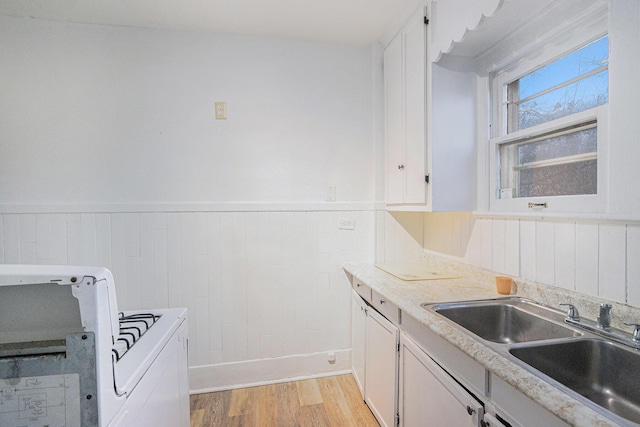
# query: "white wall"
97, 114
111, 155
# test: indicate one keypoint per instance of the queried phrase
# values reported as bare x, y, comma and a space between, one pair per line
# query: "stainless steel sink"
604, 373
506, 321
593, 369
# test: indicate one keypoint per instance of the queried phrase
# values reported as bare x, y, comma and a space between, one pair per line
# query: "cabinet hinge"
397, 419
426, 179
398, 348
426, 20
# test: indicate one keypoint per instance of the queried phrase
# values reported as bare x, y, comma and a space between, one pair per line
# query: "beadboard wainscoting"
598, 258
266, 293
595, 258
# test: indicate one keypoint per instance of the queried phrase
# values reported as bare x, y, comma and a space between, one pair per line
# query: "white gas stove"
69, 358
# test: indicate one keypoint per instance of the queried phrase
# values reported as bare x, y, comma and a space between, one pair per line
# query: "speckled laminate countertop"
474, 285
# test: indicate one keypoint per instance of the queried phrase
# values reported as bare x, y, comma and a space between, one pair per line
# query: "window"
551, 122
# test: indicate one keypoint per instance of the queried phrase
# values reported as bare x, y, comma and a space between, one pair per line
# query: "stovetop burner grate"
132, 328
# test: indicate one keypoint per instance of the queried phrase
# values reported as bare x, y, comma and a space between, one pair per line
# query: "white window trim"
517, 68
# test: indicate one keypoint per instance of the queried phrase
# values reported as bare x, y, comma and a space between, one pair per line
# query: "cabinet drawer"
363, 290
386, 307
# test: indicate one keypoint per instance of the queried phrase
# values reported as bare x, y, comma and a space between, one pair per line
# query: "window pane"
573, 98
559, 165
559, 180
574, 83
587, 59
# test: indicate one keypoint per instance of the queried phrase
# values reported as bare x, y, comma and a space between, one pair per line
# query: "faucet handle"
572, 313
604, 318
636, 330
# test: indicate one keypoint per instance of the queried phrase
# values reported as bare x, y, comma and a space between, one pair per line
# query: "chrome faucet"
572, 312
604, 318
602, 325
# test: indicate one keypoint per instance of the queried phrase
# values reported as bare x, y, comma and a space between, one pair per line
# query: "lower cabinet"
415, 378
381, 371
374, 359
428, 394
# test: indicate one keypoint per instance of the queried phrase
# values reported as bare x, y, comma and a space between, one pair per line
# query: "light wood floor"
321, 402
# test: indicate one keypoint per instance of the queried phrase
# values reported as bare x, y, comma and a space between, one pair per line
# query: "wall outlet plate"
221, 110
347, 224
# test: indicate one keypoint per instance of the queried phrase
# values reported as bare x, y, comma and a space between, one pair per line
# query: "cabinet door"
381, 372
415, 52
428, 394
358, 333
394, 120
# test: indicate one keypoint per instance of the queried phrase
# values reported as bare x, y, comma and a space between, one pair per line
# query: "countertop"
408, 295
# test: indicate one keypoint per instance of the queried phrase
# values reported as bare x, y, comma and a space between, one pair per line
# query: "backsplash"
594, 258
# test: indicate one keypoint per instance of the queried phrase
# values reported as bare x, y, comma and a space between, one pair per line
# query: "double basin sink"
596, 371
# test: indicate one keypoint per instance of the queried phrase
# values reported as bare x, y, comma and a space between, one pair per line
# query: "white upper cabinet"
394, 120
404, 84
430, 164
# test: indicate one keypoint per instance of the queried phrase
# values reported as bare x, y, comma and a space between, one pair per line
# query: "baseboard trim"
251, 373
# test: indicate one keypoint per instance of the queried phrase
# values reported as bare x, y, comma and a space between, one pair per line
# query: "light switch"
221, 110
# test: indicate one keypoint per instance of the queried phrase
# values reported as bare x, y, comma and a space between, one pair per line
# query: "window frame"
516, 68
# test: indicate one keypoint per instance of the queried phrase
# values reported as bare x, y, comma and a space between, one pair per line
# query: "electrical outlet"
347, 224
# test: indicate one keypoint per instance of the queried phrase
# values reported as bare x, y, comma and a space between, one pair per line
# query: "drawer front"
386, 307
363, 290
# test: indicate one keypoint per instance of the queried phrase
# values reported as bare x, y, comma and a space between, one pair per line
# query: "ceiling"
357, 22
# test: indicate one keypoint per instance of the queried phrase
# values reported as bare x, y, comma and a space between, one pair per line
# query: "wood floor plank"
214, 405
314, 416
288, 404
336, 406
240, 402
308, 392
197, 416
264, 411
236, 421
360, 412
